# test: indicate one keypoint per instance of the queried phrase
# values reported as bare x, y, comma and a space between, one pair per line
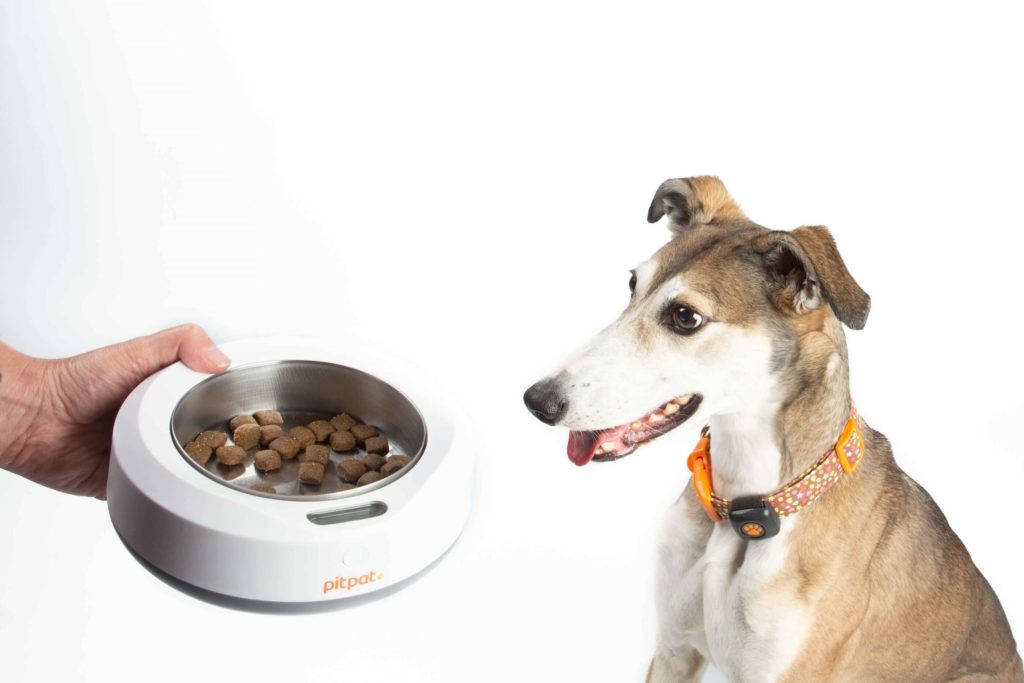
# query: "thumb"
188, 343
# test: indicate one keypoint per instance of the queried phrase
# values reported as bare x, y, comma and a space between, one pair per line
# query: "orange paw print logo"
752, 530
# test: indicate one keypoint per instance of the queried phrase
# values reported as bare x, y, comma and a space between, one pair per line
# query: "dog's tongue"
614, 443
582, 446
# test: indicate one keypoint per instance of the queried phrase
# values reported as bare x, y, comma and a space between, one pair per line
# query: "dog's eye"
632, 281
684, 319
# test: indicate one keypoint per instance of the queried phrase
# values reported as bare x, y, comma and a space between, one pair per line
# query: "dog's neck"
756, 451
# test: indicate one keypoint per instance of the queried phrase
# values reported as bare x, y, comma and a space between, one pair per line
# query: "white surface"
468, 185
211, 536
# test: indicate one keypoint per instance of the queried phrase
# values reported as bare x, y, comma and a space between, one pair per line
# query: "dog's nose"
545, 401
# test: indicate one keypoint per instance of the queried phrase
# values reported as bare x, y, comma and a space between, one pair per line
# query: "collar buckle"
699, 463
850, 446
753, 518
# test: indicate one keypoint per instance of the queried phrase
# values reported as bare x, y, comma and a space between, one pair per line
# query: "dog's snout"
544, 399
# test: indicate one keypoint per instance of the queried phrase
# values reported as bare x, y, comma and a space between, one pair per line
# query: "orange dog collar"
757, 517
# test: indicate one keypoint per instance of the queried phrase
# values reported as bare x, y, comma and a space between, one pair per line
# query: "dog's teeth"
670, 408
599, 450
637, 425
656, 417
683, 401
607, 447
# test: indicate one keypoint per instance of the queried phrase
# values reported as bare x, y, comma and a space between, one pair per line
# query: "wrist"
20, 376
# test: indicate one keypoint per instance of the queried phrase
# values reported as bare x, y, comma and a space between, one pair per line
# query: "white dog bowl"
205, 526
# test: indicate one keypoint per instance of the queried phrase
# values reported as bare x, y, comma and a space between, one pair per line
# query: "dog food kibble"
268, 460
321, 428
211, 438
286, 446
343, 442
363, 432
344, 422
394, 463
311, 473
230, 455
239, 420
247, 436
312, 444
369, 478
316, 453
304, 435
373, 461
350, 470
268, 417
376, 444
270, 432
199, 452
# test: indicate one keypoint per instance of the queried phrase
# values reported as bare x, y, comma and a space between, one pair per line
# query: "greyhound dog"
802, 552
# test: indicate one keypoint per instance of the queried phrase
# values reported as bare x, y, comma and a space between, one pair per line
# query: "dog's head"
715, 323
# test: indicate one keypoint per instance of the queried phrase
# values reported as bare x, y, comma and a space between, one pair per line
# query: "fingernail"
216, 357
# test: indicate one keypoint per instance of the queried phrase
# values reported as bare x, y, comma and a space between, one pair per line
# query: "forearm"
20, 379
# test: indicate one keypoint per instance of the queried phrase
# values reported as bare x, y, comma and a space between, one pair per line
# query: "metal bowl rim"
338, 495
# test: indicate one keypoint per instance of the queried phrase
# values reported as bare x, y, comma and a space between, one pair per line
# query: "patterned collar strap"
757, 517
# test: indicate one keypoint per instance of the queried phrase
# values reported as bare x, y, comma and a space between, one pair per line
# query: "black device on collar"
753, 519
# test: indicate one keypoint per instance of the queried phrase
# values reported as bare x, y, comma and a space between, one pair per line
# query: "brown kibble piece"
263, 488
394, 463
286, 446
270, 432
346, 487
230, 455
364, 432
374, 461
350, 470
369, 478
311, 473
343, 422
247, 436
211, 438
376, 444
268, 417
316, 453
268, 460
239, 420
304, 435
321, 428
343, 442
199, 452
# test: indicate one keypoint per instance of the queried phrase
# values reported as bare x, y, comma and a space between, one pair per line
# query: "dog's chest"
730, 599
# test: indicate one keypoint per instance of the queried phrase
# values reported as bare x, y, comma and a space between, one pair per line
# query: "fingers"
198, 351
188, 343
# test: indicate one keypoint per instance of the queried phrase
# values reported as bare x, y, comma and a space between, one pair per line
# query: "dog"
801, 552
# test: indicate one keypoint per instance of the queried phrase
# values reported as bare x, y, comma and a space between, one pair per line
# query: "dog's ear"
693, 201
804, 268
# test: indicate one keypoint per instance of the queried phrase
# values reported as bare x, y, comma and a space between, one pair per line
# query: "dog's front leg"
685, 667
684, 537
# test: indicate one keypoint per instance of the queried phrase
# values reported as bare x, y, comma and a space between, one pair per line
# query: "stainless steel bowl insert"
301, 391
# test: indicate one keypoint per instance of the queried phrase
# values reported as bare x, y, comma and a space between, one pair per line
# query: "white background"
468, 185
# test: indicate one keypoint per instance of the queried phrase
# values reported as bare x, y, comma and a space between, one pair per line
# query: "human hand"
56, 416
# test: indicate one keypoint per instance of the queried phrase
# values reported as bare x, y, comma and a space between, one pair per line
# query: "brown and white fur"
868, 584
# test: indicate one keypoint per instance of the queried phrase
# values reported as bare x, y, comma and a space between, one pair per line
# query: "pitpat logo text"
347, 583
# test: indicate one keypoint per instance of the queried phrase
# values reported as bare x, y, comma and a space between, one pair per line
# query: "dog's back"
913, 606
